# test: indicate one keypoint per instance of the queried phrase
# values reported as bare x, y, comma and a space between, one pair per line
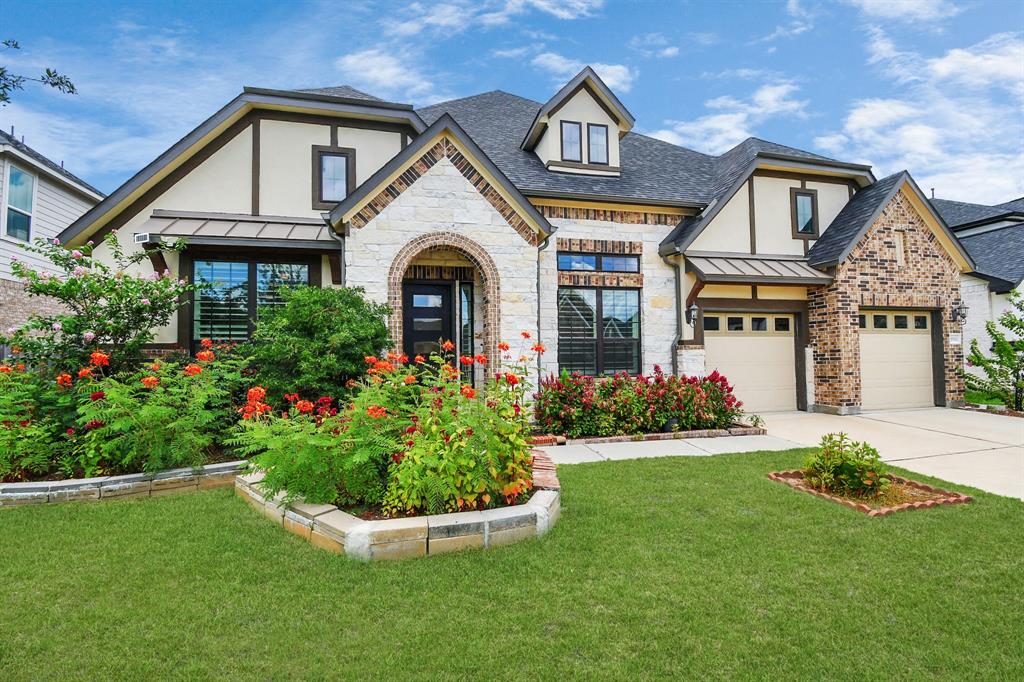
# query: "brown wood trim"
555, 165
938, 358
187, 300
561, 141
256, 154
753, 226
334, 260
156, 257
340, 122
607, 146
794, 192
334, 135
350, 173
804, 177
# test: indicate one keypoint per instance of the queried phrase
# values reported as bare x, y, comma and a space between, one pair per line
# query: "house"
38, 198
807, 281
994, 237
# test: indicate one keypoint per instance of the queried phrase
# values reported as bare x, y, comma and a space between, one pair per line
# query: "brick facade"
609, 215
16, 305
872, 277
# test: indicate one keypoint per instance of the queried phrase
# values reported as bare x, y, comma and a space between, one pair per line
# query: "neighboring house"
805, 280
38, 198
994, 237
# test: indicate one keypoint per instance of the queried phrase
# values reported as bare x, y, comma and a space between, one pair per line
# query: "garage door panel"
762, 369
896, 368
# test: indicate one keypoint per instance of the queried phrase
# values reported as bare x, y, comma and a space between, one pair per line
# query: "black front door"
428, 317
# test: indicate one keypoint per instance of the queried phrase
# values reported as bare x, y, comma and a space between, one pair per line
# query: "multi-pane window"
599, 330
20, 192
804, 213
231, 292
597, 143
598, 263
572, 145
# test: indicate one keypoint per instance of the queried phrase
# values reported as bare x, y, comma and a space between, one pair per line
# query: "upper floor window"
572, 145
597, 143
333, 175
591, 262
20, 196
804, 211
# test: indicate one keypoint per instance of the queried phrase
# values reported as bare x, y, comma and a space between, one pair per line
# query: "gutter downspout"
341, 246
543, 245
679, 319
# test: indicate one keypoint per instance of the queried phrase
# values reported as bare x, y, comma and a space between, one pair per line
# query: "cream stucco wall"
583, 109
286, 167
831, 199
729, 230
773, 218
373, 148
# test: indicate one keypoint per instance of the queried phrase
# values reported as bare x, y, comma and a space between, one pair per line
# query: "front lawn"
687, 567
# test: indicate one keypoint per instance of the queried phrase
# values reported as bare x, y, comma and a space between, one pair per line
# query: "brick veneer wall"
16, 305
871, 277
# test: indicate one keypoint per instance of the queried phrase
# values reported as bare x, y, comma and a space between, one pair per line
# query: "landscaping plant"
316, 341
1003, 367
104, 306
846, 467
580, 406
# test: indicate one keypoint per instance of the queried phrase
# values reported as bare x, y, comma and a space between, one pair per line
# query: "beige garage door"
895, 359
756, 353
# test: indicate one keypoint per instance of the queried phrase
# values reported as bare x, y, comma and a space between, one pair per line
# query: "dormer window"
572, 143
804, 213
597, 143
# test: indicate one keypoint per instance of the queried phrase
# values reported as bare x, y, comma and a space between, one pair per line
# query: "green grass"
982, 397
693, 567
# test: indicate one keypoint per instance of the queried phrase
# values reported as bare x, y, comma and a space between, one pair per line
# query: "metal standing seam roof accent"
228, 226
754, 269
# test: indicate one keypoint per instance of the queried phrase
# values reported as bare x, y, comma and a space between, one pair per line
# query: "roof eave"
86, 190
320, 97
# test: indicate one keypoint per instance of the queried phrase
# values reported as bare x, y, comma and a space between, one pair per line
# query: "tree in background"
9, 82
1004, 365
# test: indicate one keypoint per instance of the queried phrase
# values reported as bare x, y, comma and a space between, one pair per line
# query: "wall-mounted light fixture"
691, 314
958, 313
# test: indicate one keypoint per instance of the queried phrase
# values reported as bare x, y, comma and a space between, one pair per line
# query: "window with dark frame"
590, 262
599, 330
333, 175
232, 292
597, 144
572, 143
804, 213
20, 195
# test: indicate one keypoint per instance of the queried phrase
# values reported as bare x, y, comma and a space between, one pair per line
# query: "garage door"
895, 359
756, 354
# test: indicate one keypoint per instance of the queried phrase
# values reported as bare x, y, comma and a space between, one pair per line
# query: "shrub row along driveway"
970, 448
683, 567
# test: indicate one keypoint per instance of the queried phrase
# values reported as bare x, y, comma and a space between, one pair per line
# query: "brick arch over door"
448, 241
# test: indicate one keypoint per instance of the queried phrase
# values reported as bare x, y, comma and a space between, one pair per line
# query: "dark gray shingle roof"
853, 219
5, 138
342, 91
1013, 204
957, 213
998, 253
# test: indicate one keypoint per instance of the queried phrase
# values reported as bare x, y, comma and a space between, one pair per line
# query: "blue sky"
935, 86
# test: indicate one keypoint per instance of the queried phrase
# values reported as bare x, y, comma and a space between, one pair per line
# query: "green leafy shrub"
846, 467
1003, 367
29, 440
413, 439
581, 406
316, 341
107, 306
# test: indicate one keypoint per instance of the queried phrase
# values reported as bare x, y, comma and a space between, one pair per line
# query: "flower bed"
330, 528
579, 406
922, 496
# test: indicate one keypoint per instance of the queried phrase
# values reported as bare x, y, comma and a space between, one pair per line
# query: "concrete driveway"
985, 451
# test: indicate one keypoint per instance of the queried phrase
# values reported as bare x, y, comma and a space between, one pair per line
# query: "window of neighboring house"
594, 262
232, 292
20, 195
599, 330
597, 143
804, 212
572, 145
333, 175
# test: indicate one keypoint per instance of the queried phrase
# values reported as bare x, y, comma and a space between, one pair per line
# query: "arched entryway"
427, 288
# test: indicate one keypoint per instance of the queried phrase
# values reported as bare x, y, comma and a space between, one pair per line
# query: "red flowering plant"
582, 406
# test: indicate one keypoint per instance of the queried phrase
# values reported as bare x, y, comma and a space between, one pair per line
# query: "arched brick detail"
442, 241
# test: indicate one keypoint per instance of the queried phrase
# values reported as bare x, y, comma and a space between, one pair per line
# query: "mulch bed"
904, 495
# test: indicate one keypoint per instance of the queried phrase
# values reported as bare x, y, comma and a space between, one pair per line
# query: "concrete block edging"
332, 529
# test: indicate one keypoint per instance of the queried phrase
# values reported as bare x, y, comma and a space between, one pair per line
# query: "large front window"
20, 193
599, 330
232, 292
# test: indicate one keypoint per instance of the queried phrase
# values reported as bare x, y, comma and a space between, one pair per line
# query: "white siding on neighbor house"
54, 208
982, 306
657, 300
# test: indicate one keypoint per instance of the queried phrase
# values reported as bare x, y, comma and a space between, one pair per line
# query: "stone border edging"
328, 527
169, 482
795, 478
738, 430
991, 409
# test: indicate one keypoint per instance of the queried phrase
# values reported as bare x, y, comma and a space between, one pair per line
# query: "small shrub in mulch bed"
852, 474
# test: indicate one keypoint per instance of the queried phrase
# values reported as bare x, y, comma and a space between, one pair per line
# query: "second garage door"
756, 354
895, 359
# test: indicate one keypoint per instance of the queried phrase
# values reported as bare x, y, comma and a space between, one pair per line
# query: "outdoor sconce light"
691, 314
959, 313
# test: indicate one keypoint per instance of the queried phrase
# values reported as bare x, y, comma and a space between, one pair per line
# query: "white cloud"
907, 10
653, 45
560, 9
954, 124
511, 53
800, 21
384, 72
735, 119
616, 76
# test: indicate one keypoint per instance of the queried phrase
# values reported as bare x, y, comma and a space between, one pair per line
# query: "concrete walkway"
698, 447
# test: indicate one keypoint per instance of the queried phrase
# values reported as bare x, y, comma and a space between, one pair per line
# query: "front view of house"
808, 282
